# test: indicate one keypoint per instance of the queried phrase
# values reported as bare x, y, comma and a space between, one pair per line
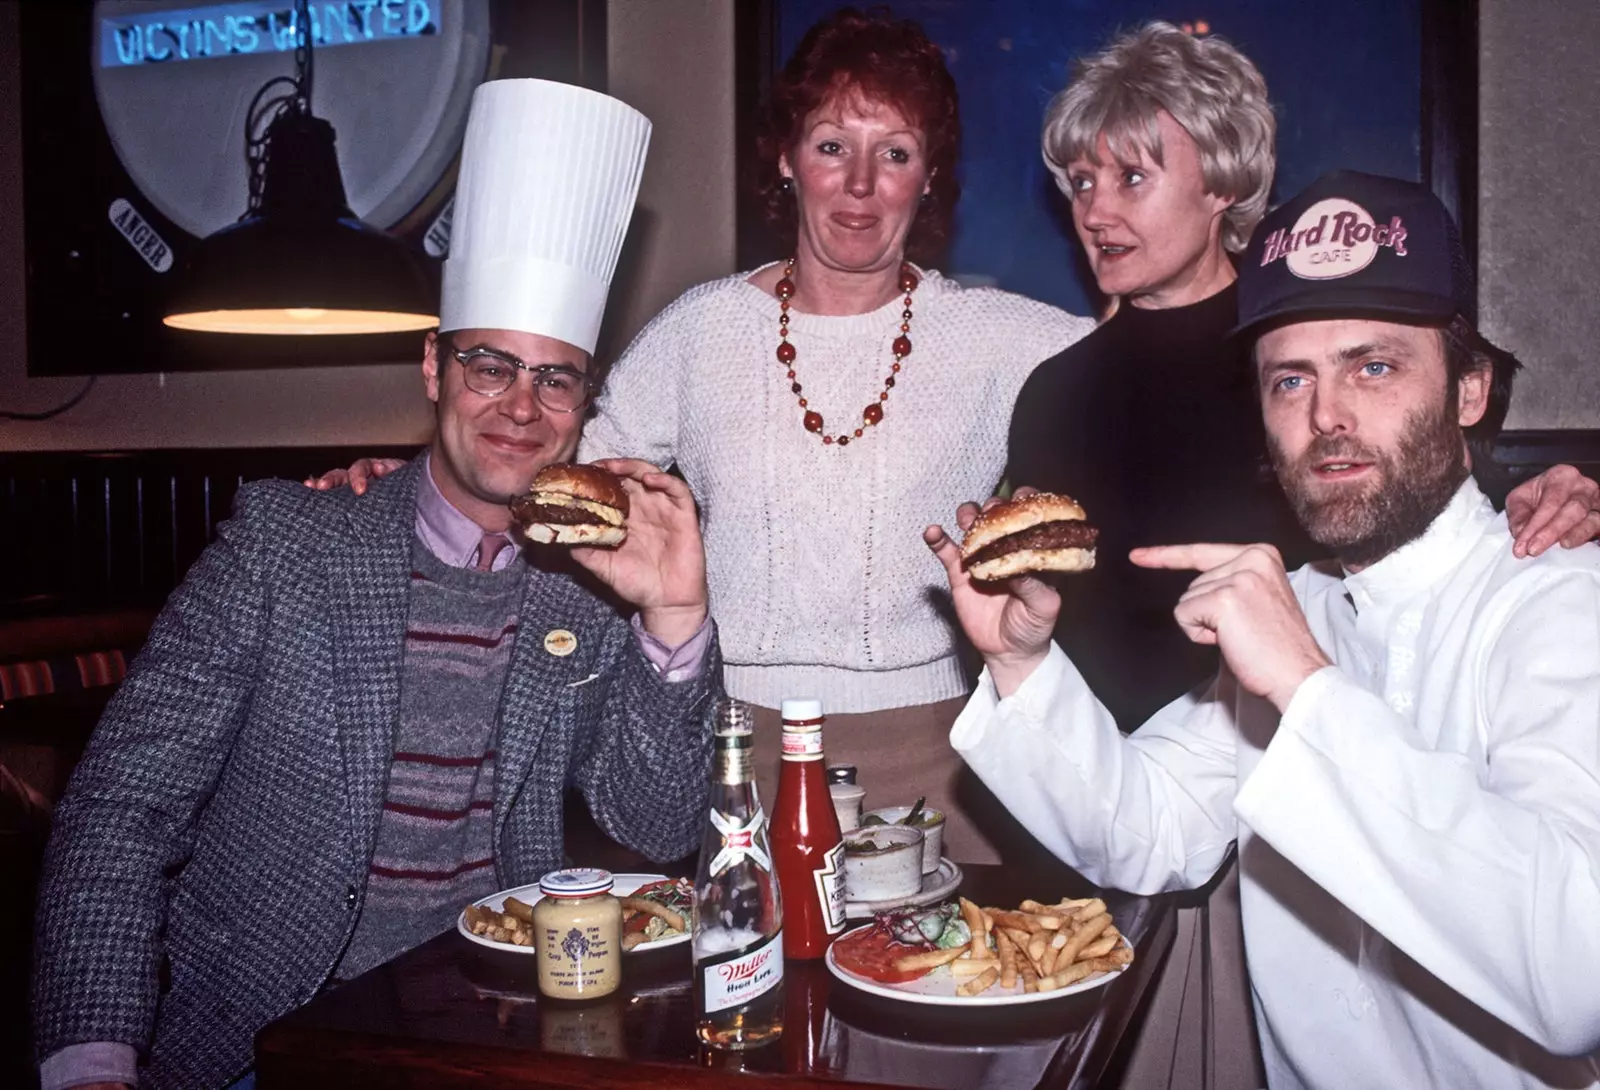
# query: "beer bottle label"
740, 841
737, 980
830, 888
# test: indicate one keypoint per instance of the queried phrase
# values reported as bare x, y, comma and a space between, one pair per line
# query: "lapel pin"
560, 643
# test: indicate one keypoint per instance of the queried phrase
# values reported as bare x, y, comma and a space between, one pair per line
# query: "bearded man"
1405, 743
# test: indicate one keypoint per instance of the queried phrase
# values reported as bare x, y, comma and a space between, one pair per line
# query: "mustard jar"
577, 927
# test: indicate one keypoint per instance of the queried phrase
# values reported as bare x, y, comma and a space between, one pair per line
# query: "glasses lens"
487, 375
562, 391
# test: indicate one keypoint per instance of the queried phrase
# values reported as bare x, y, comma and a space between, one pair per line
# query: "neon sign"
262, 26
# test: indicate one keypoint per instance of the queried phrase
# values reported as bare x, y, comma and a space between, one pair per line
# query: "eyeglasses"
559, 388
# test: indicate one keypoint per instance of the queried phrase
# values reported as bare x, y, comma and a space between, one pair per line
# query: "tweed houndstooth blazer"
208, 861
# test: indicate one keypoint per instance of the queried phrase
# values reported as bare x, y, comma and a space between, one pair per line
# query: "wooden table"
452, 1014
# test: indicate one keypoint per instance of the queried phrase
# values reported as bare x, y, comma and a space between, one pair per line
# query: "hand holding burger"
574, 505
1039, 531
1008, 615
652, 556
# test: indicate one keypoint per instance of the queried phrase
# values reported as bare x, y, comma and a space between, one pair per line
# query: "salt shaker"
847, 795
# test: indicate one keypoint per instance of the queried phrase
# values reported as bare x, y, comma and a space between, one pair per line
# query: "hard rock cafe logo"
739, 842
1333, 238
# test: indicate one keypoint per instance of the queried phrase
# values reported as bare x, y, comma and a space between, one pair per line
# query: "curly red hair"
888, 61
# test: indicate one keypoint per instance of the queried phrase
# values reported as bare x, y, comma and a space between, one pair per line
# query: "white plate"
938, 988
530, 894
936, 887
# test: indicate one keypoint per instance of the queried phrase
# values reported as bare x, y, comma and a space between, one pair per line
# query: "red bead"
813, 422
905, 327
901, 347
858, 434
872, 414
827, 440
888, 383
791, 374
844, 440
895, 367
784, 289
802, 402
908, 280
884, 396
786, 353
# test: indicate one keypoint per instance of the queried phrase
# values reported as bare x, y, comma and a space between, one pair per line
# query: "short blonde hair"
1210, 88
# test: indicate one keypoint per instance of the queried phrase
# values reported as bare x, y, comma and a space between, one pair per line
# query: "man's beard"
1363, 523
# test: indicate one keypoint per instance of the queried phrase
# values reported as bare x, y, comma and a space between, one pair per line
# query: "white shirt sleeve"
636, 415
1487, 874
1145, 813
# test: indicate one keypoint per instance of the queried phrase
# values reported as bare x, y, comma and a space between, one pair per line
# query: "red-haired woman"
827, 406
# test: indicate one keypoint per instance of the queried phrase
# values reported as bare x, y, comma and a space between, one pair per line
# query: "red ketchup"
807, 850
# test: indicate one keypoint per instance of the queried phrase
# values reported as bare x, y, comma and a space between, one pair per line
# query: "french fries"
1037, 946
978, 925
929, 959
968, 966
979, 983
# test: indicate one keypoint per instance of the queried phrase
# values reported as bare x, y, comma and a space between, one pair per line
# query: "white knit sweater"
820, 582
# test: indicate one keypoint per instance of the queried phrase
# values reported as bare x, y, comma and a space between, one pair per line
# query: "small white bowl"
894, 870
932, 826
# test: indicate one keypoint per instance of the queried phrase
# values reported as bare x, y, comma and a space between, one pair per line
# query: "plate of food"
655, 913
963, 955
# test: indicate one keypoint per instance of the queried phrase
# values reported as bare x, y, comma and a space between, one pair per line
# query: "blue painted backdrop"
1344, 75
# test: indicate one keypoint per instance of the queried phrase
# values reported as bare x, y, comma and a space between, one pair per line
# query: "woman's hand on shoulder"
1560, 505
362, 472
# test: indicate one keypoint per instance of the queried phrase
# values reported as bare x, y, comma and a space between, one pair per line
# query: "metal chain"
261, 114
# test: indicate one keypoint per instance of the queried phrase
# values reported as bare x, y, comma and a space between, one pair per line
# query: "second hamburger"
1044, 532
574, 505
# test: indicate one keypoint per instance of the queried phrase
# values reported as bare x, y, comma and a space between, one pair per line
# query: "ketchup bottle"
807, 850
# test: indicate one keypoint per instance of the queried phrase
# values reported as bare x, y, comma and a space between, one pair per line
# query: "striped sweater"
434, 851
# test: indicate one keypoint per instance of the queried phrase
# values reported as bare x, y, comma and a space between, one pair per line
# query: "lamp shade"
302, 263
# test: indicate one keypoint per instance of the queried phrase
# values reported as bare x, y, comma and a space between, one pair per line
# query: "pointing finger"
1197, 557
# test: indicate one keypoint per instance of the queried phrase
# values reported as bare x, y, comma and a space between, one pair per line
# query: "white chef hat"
549, 173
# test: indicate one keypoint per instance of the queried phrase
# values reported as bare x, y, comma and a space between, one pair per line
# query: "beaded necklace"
872, 415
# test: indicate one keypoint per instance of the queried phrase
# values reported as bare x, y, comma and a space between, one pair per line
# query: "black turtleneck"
1152, 423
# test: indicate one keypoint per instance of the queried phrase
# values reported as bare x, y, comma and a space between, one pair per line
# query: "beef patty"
1071, 534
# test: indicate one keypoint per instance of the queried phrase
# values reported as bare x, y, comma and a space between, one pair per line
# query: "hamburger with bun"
574, 505
1042, 532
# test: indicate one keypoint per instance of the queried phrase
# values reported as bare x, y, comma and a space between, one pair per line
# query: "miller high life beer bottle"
806, 845
738, 915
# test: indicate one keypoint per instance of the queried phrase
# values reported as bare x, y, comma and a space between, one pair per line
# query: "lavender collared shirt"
453, 538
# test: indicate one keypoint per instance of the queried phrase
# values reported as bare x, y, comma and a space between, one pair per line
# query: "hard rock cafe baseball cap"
1356, 245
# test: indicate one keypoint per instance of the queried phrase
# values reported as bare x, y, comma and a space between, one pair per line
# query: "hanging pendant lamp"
299, 262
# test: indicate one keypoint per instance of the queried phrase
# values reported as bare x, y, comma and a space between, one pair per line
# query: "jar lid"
801, 710
575, 882
841, 774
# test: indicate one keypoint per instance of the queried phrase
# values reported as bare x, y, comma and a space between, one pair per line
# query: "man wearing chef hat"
358, 714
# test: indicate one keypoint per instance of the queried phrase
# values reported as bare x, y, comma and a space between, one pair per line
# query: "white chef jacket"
1419, 834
